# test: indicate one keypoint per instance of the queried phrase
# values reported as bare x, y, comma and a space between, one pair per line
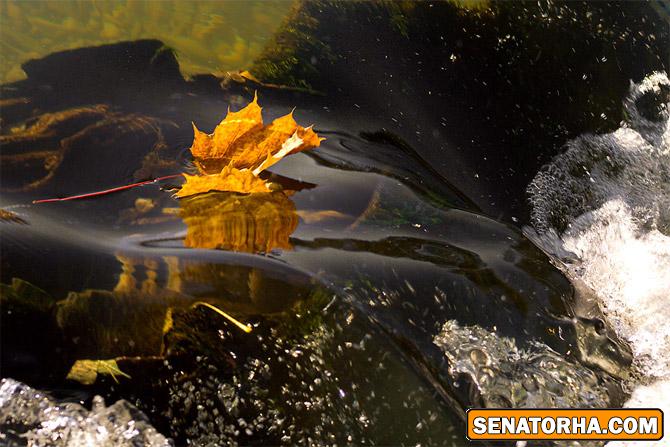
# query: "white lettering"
615, 425
494, 426
648, 426
594, 426
535, 421
579, 425
563, 425
630, 425
523, 428
479, 425
548, 426
508, 425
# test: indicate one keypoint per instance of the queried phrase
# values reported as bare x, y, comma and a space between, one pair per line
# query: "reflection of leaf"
310, 216
243, 140
249, 223
125, 322
86, 371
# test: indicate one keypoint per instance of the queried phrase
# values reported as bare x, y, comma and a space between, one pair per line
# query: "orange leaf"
241, 140
229, 179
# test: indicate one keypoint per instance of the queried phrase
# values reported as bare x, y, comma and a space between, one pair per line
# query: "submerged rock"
137, 65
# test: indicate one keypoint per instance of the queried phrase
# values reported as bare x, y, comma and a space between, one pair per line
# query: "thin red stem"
107, 191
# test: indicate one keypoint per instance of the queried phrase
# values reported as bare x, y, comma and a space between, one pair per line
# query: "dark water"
388, 292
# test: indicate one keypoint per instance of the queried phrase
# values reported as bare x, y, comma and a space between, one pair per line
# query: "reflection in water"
251, 223
238, 289
130, 320
148, 286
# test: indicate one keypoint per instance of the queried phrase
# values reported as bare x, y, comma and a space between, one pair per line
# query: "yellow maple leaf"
240, 148
242, 140
229, 179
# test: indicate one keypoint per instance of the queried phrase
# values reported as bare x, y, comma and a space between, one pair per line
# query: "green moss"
287, 59
210, 37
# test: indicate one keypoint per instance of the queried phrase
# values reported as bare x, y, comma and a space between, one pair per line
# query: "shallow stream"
396, 276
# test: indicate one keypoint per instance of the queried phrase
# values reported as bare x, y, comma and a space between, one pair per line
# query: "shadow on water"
384, 299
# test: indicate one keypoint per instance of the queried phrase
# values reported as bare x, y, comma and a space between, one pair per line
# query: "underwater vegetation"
208, 37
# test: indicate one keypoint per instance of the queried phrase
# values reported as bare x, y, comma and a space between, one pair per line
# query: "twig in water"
245, 327
107, 191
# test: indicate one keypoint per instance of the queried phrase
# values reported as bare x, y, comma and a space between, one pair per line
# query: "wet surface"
359, 273
385, 296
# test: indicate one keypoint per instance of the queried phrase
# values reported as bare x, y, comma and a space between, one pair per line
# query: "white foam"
641, 398
608, 197
630, 272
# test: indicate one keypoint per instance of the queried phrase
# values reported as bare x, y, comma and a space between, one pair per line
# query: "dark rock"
106, 70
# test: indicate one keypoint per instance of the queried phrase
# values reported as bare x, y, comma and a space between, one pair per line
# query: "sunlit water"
41, 421
350, 313
207, 36
383, 300
348, 319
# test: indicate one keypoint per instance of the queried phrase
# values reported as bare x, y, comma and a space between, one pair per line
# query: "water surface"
387, 279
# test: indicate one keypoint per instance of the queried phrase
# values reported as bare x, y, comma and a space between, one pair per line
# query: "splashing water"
28, 417
606, 200
505, 375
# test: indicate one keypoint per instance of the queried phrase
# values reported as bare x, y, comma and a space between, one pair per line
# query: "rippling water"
345, 311
387, 278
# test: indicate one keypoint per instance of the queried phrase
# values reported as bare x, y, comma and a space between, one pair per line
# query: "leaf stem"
107, 191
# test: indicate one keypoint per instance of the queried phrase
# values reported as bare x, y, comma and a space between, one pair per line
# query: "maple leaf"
243, 140
231, 159
241, 147
229, 179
